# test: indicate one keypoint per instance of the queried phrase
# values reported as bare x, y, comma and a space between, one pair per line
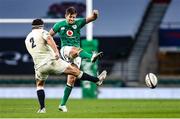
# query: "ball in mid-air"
151, 80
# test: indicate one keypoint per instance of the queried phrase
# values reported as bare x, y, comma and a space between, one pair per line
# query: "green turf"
100, 108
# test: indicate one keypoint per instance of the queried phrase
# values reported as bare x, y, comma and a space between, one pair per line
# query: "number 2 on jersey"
32, 41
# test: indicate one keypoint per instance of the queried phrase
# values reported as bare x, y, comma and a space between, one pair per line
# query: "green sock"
83, 54
67, 92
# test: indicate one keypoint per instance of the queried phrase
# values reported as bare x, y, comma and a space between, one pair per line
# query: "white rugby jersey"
37, 46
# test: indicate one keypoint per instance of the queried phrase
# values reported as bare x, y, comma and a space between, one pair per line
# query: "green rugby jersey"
69, 33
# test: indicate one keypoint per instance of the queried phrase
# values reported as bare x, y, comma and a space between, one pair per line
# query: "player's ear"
65, 15
76, 15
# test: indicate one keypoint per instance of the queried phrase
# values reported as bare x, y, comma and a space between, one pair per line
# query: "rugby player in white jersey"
46, 58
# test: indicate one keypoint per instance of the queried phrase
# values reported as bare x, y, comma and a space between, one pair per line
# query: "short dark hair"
71, 10
37, 23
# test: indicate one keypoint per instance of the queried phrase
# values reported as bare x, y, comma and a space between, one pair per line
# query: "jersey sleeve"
56, 27
45, 34
81, 22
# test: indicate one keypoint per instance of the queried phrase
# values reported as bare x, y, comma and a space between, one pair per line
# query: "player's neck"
69, 23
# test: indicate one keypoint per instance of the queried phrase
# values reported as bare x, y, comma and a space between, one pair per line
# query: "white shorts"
50, 67
65, 53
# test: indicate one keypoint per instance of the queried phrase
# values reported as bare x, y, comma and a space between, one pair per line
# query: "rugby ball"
151, 80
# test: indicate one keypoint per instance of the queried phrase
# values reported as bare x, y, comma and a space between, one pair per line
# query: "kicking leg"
84, 76
98, 80
74, 52
93, 57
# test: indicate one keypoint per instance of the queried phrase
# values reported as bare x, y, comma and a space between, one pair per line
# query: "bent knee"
73, 52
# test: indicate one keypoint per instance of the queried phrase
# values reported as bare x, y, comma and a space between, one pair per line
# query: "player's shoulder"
80, 20
61, 23
29, 35
45, 33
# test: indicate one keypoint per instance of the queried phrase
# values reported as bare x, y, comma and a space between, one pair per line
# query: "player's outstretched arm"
93, 16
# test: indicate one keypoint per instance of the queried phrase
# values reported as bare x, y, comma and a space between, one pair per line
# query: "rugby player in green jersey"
69, 32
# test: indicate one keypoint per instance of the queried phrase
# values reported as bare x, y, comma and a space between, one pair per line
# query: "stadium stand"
149, 25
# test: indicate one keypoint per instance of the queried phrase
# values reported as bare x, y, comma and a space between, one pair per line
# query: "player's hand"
57, 55
95, 13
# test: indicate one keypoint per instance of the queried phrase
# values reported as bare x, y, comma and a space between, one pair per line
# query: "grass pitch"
96, 108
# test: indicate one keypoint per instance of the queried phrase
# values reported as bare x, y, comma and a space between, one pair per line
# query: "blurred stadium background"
136, 36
